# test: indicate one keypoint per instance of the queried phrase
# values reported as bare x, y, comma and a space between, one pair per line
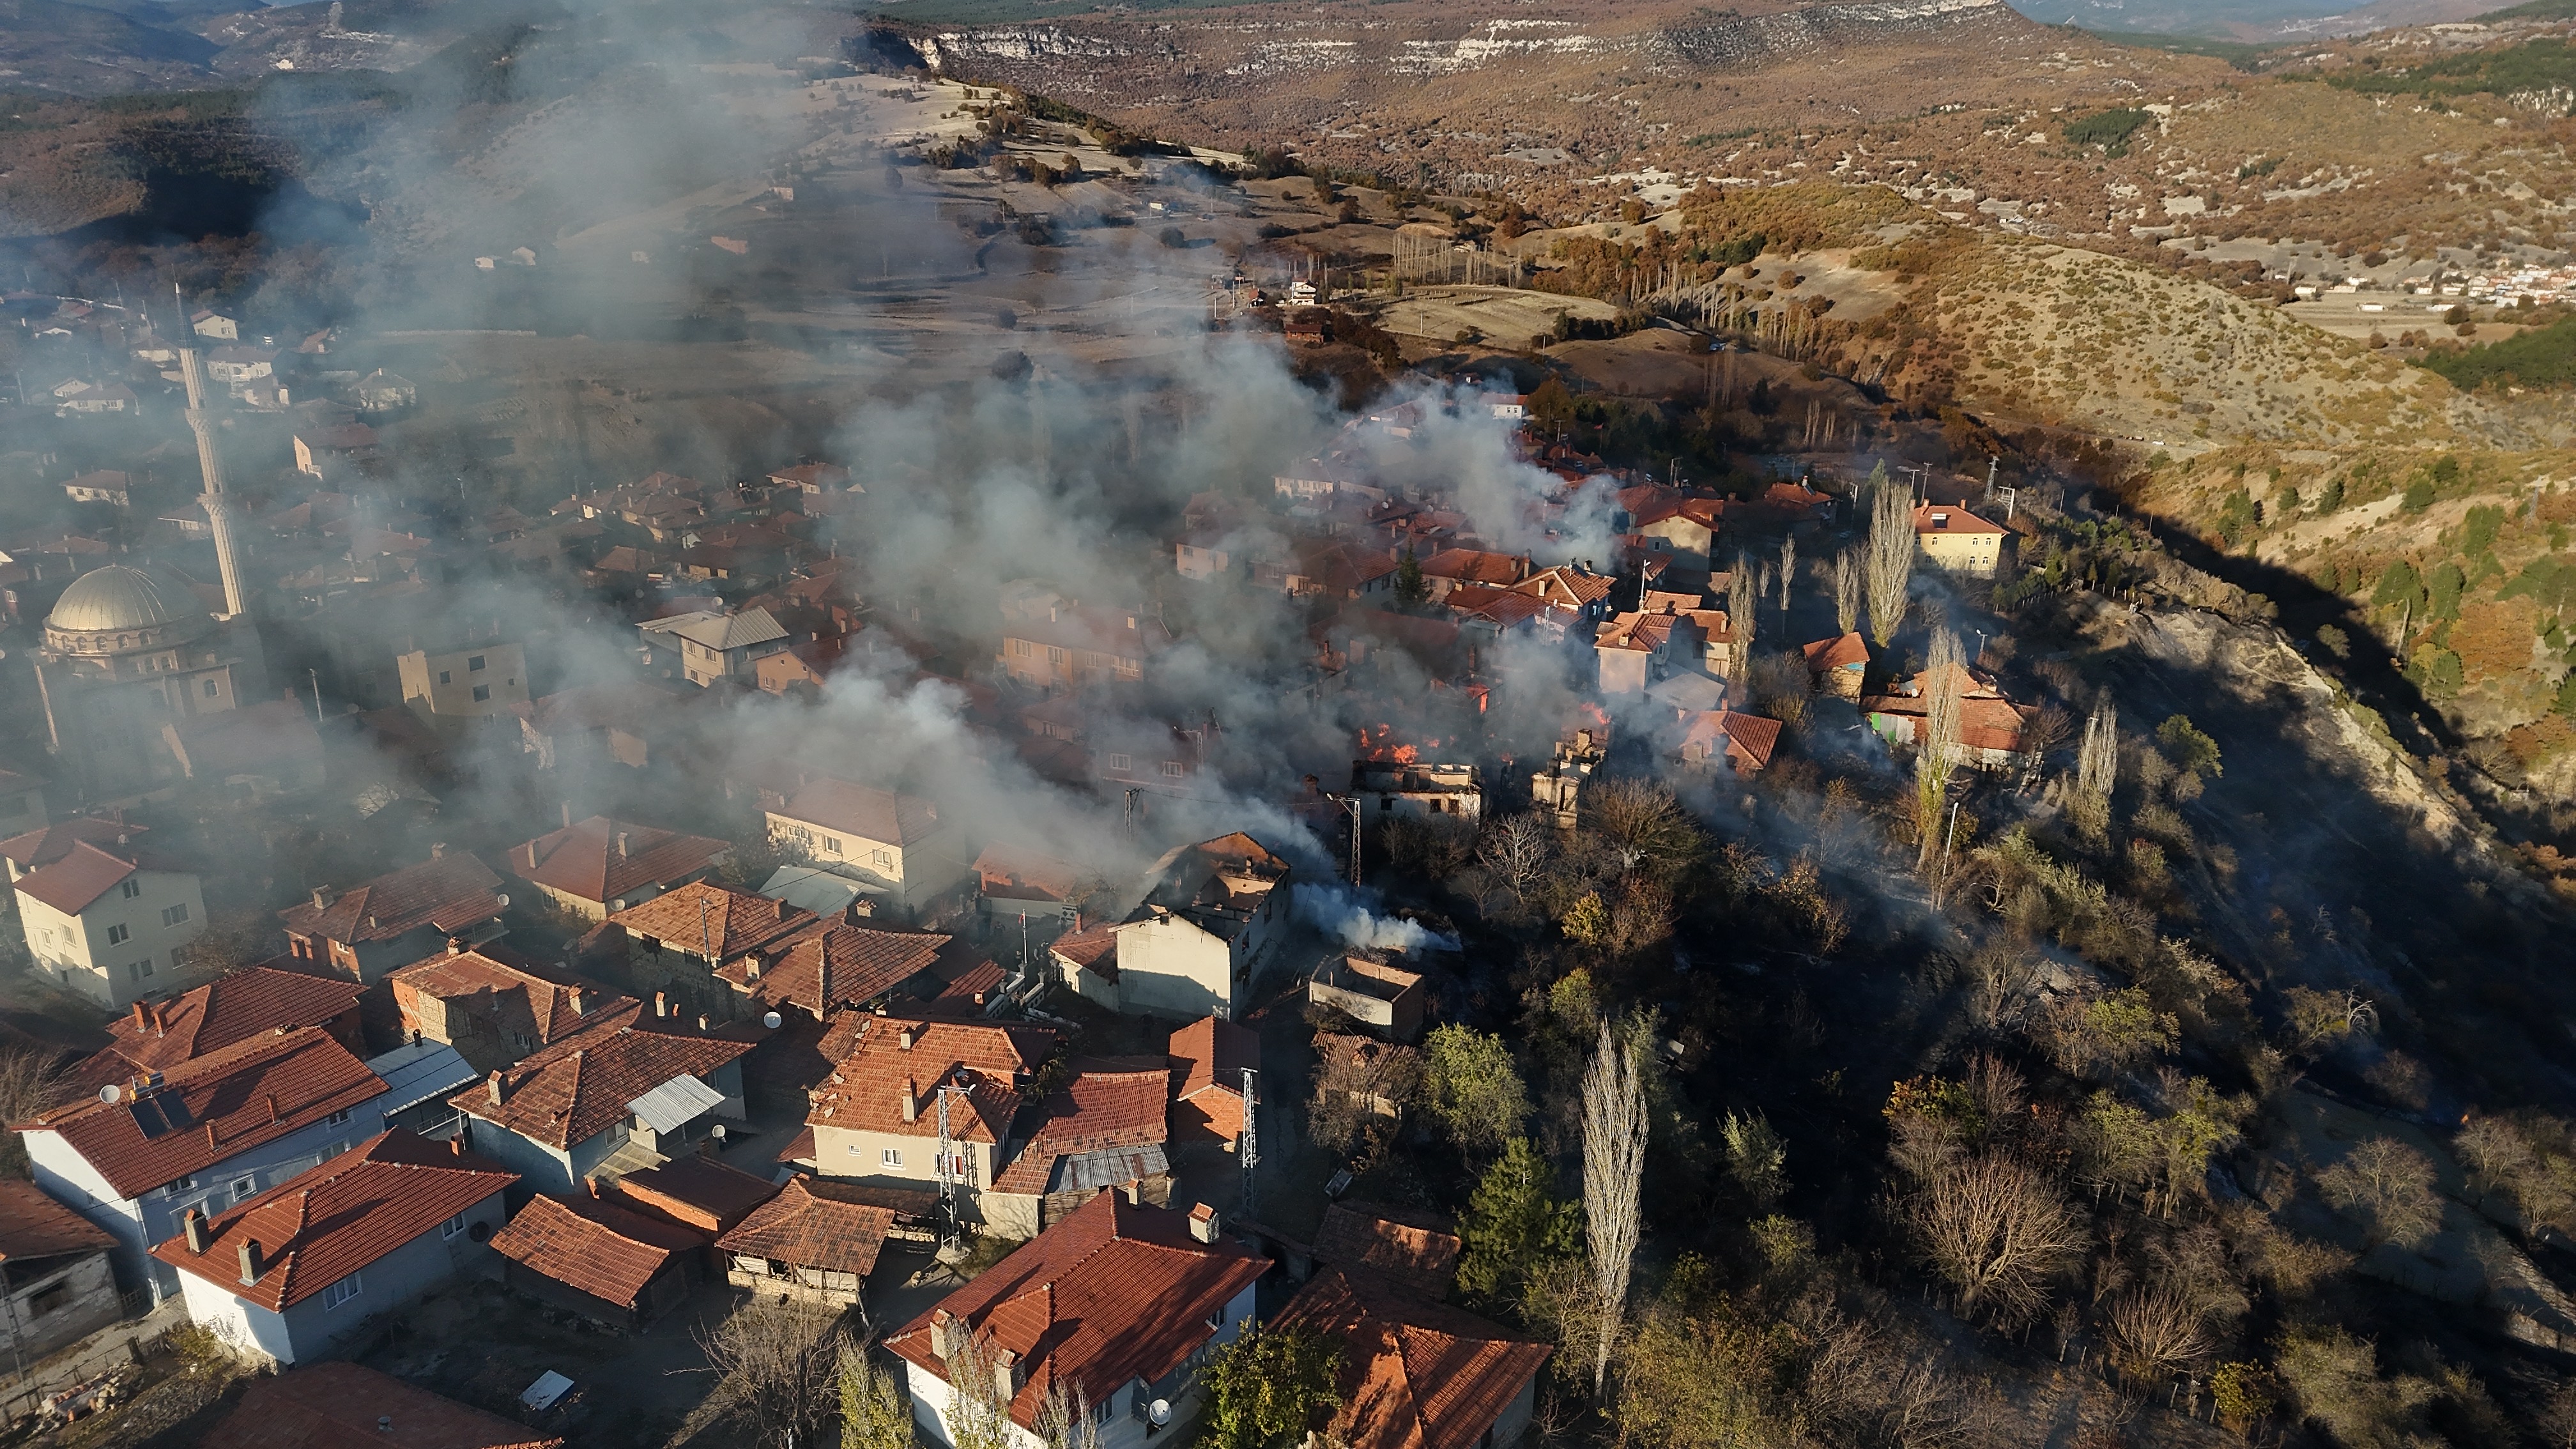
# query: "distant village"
808, 1033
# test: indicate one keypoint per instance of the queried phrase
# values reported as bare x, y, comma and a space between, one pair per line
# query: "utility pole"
1251, 1146
948, 1174
1351, 805
1941, 881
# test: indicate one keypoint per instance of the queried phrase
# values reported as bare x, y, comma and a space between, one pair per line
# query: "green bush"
2191, 748
2109, 129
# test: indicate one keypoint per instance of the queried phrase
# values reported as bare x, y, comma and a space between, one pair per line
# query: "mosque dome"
122, 608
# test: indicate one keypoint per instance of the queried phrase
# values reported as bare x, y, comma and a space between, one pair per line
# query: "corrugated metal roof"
1109, 1167
675, 1103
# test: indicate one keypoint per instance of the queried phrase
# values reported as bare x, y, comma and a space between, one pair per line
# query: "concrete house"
1105, 1130
1120, 1300
1956, 541
1391, 788
292, 1272
1195, 945
1479, 1387
54, 1271
715, 646
876, 1117
206, 322
382, 392
158, 1035
102, 486
897, 846
102, 913
472, 678
1990, 722
204, 1135
597, 867
604, 1262
627, 1093
397, 918
836, 964
681, 941
1837, 666
1066, 647
1208, 1059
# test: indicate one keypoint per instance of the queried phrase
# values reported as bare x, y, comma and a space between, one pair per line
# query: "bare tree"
1890, 555
1065, 1420
2045, 732
1741, 600
2097, 760
30, 1081
1614, 1170
2389, 1186
1846, 591
1788, 573
781, 1362
979, 1413
2156, 1330
1515, 854
873, 1413
1938, 759
1997, 1231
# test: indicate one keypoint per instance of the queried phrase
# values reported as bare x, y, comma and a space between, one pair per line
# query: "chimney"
1203, 1223
621, 845
211, 1144
702, 1021
1009, 1374
782, 909
493, 1089
593, 1184
456, 945
160, 1019
193, 1223
903, 1039
271, 1099
567, 814
911, 1102
142, 1017
751, 968
661, 1006
250, 1263
456, 1147
943, 1332
322, 898
438, 850
579, 999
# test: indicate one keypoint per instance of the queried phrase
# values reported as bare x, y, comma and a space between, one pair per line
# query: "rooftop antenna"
948, 1173
1251, 1148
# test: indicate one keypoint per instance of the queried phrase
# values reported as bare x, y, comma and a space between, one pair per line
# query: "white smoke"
1338, 911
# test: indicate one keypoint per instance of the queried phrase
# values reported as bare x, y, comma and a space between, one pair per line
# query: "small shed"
818, 1238
54, 1268
1379, 995
617, 1267
699, 1193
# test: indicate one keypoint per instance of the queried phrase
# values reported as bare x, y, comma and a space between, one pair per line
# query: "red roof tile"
52, 843
584, 1084
1842, 653
71, 883
1209, 1053
1112, 1293
1094, 950
1019, 874
1415, 1374
342, 1406
815, 1224
446, 892
836, 965
1950, 519
254, 1001
863, 811
600, 859
1096, 1111
1467, 565
696, 1192
866, 1091
33, 1225
707, 920
589, 1246
1413, 1249
214, 1106
320, 1226
522, 997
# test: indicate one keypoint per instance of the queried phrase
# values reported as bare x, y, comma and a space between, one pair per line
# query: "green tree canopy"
1266, 1389
1514, 1225
1472, 1088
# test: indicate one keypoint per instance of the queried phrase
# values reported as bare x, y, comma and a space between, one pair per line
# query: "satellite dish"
503, 902
111, 1094
719, 1132
1159, 1412
772, 1020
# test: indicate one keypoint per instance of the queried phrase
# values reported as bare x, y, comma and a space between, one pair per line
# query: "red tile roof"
863, 811
446, 892
1472, 566
1842, 653
1409, 1248
815, 1224
340, 1406
1094, 950
696, 1192
539, 999
1415, 1374
866, 1091
33, 1225
1018, 874
1209, 1053
1949, 518
600, 859
592, 1247
1096, 1111
254, 1001
1112, 1293
835, 965
212, 1107
53, 842
584, 1084
702, 917
320, 1226
76, 880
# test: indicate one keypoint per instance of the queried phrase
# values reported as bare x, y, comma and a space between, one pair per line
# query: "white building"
1119, 1300
1195, 945
896, 844
206, 1135
288, 1274
103, 916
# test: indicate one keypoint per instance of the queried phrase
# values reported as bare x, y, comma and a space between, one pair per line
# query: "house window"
136, 971
337, 1119
446, 676
51, 1299
341, 1292
174, 915
130, 889
883, 859
1171, 769
245, 1188
832, 843
116, 935
1119, 763
482, 692
1054, 655
473, 662
1020, 647
452, 1226
890, 1157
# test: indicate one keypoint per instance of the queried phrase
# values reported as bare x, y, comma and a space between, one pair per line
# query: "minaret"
219, 509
